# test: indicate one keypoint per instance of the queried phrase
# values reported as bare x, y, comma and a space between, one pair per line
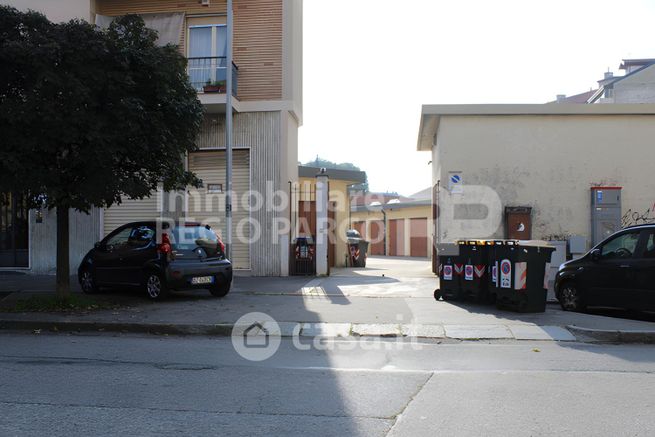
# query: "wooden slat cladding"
258, 48
122, 7
258, 28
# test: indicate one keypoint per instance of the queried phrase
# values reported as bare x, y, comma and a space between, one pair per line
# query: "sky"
369, 65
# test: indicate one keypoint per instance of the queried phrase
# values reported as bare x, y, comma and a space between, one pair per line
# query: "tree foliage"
88, 115
324, 163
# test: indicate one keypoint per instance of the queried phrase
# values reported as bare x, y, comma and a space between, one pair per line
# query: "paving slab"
473, 332
376, 329
423, 331
325, 329
533, 332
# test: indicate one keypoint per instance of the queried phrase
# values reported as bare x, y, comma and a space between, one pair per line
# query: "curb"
138, 328
613, 336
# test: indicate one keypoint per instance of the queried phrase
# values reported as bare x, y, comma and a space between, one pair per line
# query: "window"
207, 54
649, 250
141, 236
622, 246
118, 240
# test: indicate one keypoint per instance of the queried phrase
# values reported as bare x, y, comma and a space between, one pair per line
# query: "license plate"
202, 280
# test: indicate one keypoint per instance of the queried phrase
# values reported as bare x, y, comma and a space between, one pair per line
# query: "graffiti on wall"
631, 218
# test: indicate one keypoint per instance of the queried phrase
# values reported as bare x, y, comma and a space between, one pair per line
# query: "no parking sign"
468, 272
448, 272
505, 274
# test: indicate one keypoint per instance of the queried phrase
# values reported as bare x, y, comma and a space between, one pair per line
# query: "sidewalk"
350, 303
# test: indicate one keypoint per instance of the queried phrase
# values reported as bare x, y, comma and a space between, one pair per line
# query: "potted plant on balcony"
217, 86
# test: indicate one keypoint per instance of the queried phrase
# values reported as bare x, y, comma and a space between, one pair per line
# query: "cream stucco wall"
549, 162
338, 195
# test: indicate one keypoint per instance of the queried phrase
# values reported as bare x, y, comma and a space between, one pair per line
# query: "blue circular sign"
505, 267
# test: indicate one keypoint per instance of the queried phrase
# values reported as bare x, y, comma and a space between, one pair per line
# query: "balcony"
208, 74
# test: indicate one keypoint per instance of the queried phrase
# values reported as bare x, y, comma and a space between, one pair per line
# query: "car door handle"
625, 266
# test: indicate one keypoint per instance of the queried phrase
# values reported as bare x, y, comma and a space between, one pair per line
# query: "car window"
191, 237
622, 246
140, 236
649, 250
119, 240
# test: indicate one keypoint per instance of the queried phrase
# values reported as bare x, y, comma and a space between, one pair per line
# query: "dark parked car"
619, 272
185, 256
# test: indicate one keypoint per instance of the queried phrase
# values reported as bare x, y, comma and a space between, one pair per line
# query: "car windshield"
191, 237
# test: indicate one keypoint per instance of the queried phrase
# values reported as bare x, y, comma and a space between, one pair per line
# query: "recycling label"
505, 274
494, 274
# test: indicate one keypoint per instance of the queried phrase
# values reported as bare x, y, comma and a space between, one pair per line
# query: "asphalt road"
140, 385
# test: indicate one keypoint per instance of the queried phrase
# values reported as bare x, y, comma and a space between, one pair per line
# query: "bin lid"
535, 243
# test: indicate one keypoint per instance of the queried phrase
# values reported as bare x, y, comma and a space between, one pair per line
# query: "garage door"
131, 211
418, 239
377, 238
397, 237
207, 204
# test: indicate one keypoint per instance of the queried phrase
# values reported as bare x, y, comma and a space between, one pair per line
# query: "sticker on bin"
505, 274
494, 273
479, 270
520, 275
546, 275
459, 269
448, 272
468, 272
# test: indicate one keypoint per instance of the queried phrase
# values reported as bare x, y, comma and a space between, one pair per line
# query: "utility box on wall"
605, 212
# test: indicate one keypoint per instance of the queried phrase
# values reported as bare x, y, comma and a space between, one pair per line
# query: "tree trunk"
63, 268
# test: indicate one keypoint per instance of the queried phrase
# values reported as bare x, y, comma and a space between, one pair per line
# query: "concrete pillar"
322, 238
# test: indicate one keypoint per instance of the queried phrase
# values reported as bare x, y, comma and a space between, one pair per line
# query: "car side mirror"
595, 255
98, 245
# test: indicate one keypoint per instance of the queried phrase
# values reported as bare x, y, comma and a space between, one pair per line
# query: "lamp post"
228, 133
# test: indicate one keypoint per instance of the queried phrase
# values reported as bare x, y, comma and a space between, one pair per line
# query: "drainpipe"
384, 222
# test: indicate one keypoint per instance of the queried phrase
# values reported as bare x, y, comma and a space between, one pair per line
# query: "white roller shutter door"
209, 208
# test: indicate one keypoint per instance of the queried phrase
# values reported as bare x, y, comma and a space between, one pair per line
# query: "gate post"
322, 223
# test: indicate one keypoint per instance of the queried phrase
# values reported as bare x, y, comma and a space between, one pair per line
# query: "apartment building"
267, 112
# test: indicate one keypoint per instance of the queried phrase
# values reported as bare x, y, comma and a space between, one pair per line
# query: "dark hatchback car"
185, 256
619, 272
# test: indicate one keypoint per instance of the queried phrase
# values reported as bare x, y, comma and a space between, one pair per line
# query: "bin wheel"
437, 294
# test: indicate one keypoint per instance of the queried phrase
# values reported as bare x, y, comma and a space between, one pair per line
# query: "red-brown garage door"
418, 237
377, 238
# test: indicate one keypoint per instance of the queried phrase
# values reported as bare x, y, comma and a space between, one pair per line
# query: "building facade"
339, 220
267, 112
398, 227
539, 171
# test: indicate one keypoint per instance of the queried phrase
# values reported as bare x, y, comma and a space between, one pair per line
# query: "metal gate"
302, 218
14, 233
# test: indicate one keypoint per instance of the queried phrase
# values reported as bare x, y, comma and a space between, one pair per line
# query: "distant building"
636, 85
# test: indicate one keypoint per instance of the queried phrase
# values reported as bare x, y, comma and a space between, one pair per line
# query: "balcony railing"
208, 74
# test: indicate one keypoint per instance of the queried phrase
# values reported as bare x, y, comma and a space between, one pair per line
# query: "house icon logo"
256, 336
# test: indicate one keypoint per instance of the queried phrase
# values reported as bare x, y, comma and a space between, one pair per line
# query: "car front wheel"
88, 282
155, 286
570, 297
